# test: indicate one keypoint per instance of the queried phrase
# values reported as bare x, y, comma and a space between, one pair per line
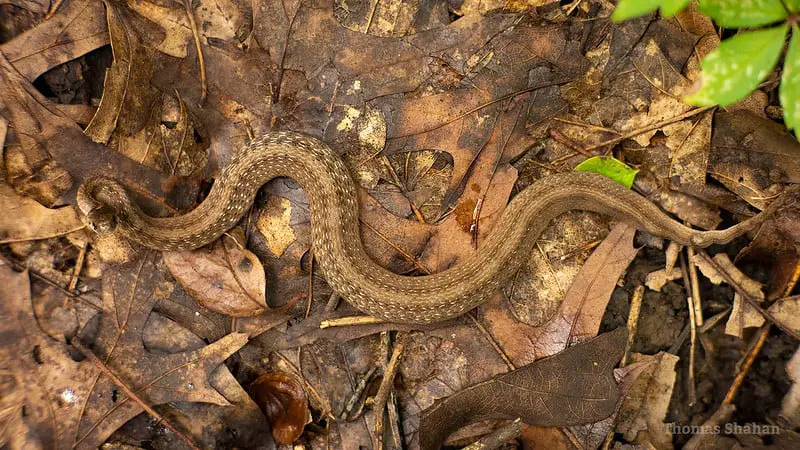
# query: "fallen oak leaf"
576, 386
69, 403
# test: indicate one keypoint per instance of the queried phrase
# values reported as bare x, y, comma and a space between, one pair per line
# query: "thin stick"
379, 404
758, 344
653, 126
633, 321
745, 295
187, 4
131, 395
695, 292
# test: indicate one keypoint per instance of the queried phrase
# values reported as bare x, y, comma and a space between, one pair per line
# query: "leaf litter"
442, 121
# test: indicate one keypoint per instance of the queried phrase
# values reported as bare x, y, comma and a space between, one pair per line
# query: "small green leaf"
630, 9
738, 65
790, 83
671, 7
611, 168
743, 13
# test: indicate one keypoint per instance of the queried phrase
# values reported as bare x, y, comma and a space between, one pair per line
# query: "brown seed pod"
282, 399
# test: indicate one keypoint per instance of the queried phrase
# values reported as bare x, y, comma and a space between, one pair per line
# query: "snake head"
101, 220
96, 210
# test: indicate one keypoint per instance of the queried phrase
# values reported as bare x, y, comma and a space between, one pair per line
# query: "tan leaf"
228, 279
75, 29
645, 406
69, 403
26, 219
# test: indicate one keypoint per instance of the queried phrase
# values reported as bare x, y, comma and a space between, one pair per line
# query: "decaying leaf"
579, 314
225, 278
282, 399
76, 28
70, 404
645, 406
541, 393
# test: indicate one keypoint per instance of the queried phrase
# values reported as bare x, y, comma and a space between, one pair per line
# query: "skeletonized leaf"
790, 82
738, 14
576, 386
738, 65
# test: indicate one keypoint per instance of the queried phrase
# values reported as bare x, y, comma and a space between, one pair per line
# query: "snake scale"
105, 205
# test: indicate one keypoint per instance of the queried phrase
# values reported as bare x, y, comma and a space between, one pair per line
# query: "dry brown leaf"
129, 100
576, 386
580, 312
790, 406
643, 411
750, 154
77, 27
42, 143
26, 219
787, 312
69, 404
743, 315
227, 278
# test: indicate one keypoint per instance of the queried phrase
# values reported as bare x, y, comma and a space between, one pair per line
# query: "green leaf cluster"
734, 69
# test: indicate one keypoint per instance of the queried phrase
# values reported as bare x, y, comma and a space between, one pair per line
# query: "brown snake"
105, 205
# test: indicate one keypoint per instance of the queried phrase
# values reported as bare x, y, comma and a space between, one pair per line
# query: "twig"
51, 283
746, 296
498, 437
349, 321
755, 349
379, 404
692, 351
695, 292
131, 395
347, 414
276, 93
650, 127
187, 4
633, 321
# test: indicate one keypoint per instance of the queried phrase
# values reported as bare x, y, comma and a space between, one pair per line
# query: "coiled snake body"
104, 204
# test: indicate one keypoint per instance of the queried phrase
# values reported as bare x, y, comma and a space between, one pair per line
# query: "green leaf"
790, 83
610, 167
793, 5
738, 65
743, 13
630, 9
671, 7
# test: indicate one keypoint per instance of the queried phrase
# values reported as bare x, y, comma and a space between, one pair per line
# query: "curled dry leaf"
282, 399
228, 279
576, 386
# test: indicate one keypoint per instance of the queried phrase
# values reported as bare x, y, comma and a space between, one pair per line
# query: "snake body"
105, 204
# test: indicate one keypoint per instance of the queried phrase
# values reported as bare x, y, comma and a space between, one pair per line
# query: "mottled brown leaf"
70, 404
576, 386
226, 278
77, 27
